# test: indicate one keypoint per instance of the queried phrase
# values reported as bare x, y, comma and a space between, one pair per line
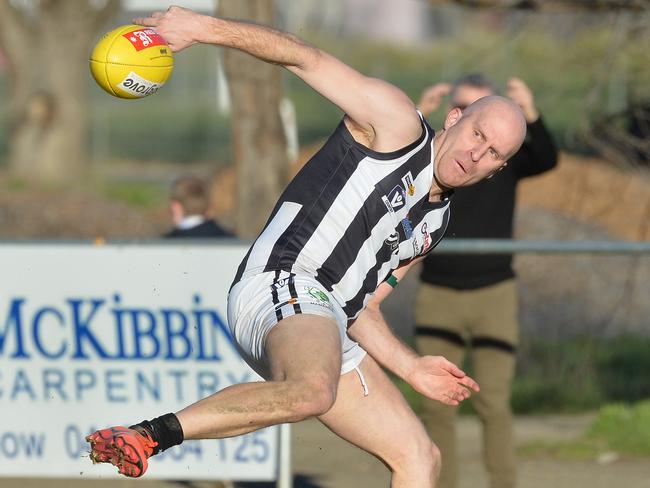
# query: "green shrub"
581, 373
624, 428
622, 367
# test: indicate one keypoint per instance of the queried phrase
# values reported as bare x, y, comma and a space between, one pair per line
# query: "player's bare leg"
384, 425
305, 358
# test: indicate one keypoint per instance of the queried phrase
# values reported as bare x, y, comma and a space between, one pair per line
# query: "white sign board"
97, 336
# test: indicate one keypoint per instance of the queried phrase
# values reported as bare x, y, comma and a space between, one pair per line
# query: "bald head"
478, 141
504, 117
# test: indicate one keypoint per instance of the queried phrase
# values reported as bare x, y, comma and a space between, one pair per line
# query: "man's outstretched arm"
433, 376
377, 108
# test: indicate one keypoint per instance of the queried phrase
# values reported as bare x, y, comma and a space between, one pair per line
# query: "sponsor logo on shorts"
409, 186
144, 38
138, 86
320, 298
317, 294
328, 306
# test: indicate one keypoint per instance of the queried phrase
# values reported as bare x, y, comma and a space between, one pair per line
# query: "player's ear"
453, 117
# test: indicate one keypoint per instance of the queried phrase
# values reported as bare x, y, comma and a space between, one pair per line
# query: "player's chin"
452, 183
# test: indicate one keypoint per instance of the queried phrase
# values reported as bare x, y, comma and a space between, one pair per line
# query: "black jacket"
209, 228
486, 210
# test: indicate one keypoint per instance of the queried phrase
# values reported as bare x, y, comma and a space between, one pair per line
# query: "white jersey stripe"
355, 275
335, 222
263, 246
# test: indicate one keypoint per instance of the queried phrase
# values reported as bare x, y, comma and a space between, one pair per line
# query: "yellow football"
131, 62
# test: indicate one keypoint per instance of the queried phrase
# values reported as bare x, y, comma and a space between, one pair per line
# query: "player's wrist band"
392, 280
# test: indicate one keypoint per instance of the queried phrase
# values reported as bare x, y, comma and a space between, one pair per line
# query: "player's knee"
427, 462
436, 460
421, 456
429, 456
314, 398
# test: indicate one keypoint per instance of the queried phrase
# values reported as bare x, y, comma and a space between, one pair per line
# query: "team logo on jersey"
397, 198
384, 199
408, 227
392, 241
409, 186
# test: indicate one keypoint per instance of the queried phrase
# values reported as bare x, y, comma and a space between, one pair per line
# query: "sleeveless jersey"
351, 216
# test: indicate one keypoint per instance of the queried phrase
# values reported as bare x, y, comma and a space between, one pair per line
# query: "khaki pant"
486, 320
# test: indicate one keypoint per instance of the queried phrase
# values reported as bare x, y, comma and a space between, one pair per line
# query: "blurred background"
76, 163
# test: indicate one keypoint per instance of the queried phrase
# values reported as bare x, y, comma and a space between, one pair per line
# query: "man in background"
188, 206
469, 302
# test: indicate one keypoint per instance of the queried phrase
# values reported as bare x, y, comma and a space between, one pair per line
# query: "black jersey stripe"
370, 282
335, 166
344, 253
360, 228
274, 295
294, 293
241, 268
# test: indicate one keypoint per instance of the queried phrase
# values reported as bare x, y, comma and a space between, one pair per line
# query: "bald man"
304, 306
480, 319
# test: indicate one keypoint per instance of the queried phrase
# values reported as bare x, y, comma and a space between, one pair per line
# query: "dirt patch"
582, 189
593, 191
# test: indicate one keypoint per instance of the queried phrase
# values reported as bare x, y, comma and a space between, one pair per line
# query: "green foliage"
16, 185
537, 395
164, 133
618, 428
622, 369
624, 428
581, 374
577, 450
575, 75
145, 195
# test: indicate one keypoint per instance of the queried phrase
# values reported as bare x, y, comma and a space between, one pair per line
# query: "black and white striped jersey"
351, 216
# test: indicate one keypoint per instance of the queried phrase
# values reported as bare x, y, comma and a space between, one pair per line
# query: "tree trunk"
48, 48
258, 140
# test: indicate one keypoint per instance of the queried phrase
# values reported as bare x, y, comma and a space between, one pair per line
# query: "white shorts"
258, 303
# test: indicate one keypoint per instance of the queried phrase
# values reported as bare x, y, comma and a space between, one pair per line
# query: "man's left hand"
519, 92
439, 379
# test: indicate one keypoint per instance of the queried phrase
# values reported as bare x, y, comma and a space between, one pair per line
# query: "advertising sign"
92, 337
